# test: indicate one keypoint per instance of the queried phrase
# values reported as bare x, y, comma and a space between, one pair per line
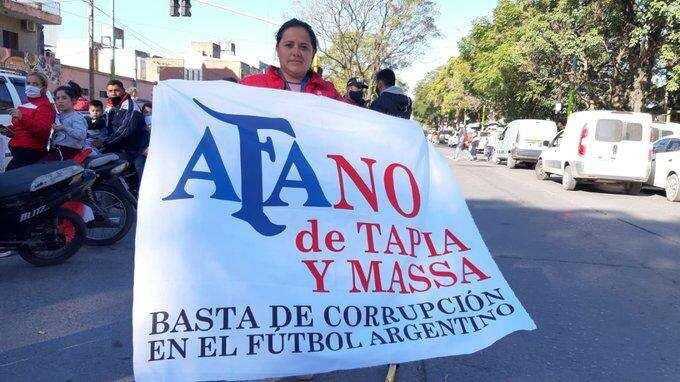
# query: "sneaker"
6, 254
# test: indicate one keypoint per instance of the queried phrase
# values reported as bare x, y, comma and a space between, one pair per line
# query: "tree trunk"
636, 97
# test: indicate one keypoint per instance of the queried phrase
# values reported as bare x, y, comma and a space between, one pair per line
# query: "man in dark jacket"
391, 99
124, 121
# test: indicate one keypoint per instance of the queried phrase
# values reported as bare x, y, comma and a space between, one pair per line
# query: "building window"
10, 40
102, 94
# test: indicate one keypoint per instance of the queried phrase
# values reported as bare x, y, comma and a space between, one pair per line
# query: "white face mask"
147, 120
32, 91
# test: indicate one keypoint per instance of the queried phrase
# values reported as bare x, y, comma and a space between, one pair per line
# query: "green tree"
359, 37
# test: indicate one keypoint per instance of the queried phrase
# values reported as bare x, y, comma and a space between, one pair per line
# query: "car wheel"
511, 162
540, 171
568, 181
673, 188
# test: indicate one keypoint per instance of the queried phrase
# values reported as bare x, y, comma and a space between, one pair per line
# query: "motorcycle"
112, 204
32, 216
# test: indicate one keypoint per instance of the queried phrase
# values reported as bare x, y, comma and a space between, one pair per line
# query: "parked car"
452, 140
12, 95
600, 146
444, 136
522, 141
663, 129
665, 166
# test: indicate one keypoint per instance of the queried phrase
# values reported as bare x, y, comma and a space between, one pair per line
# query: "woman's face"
295, 52
63, 101
34, 81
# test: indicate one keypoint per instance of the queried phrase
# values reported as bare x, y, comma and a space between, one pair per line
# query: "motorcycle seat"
36, 176
100, 160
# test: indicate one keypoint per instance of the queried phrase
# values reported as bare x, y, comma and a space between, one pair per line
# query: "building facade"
21, 40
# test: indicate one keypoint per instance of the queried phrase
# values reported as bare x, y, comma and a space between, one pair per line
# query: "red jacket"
33, 129
273, 80
82, 104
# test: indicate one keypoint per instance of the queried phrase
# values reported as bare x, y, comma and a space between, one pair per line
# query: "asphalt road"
598, 270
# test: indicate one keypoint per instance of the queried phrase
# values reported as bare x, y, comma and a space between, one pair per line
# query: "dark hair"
292, 23
386, 76
97, 103
115, 83
230, 79
70, 92
76, 87
147, 104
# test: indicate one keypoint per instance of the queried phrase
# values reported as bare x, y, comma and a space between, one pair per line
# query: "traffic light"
174, 8
185, 8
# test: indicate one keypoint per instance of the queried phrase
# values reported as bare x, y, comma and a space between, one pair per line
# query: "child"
96, 121
69, 128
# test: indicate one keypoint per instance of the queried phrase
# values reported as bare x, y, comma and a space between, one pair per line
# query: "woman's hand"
56, 127
6, 131
15, 113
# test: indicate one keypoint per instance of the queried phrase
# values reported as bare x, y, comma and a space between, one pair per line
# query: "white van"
600, 146
521, 141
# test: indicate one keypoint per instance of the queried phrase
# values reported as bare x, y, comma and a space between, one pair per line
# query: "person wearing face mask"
355, 91
31, 124
124, 121
296, 46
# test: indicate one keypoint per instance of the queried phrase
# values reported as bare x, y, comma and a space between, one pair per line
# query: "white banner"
282, 234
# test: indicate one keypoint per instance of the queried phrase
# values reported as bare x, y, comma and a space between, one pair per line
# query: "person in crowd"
474, 143
460, 147
391, 99
355, 91
70, 127
143, 151
31, 124
125, 127
296, 45
96, 121
133, 93
82, 103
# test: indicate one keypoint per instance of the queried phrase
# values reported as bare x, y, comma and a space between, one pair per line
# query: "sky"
148, 27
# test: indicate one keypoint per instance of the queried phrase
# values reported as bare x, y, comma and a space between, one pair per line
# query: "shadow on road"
603, 290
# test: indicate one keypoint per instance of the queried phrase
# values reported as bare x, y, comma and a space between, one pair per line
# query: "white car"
665, 166
522, 141
600, 146
11, 96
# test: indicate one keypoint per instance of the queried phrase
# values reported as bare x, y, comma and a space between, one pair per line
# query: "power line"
237, 12
136, 35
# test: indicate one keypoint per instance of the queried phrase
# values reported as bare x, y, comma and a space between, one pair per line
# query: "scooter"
34, 222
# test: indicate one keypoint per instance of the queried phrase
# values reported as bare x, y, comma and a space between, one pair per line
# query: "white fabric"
192, 254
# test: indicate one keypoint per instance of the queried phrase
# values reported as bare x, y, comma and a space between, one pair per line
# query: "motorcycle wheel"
119, 214
70, 235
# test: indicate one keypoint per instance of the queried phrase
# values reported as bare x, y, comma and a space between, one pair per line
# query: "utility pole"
113, 39
90, 27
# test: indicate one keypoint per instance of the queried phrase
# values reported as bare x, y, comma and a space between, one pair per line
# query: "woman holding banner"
296, 46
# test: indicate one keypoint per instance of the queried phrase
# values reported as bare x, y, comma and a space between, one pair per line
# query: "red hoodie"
33, 129
273, 80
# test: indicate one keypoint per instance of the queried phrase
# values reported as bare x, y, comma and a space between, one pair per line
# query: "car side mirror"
546, 143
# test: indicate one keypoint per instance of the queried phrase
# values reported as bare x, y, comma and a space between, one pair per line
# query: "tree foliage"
614, 54
359, 37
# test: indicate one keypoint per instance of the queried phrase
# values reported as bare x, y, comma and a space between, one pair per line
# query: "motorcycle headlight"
118, 169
